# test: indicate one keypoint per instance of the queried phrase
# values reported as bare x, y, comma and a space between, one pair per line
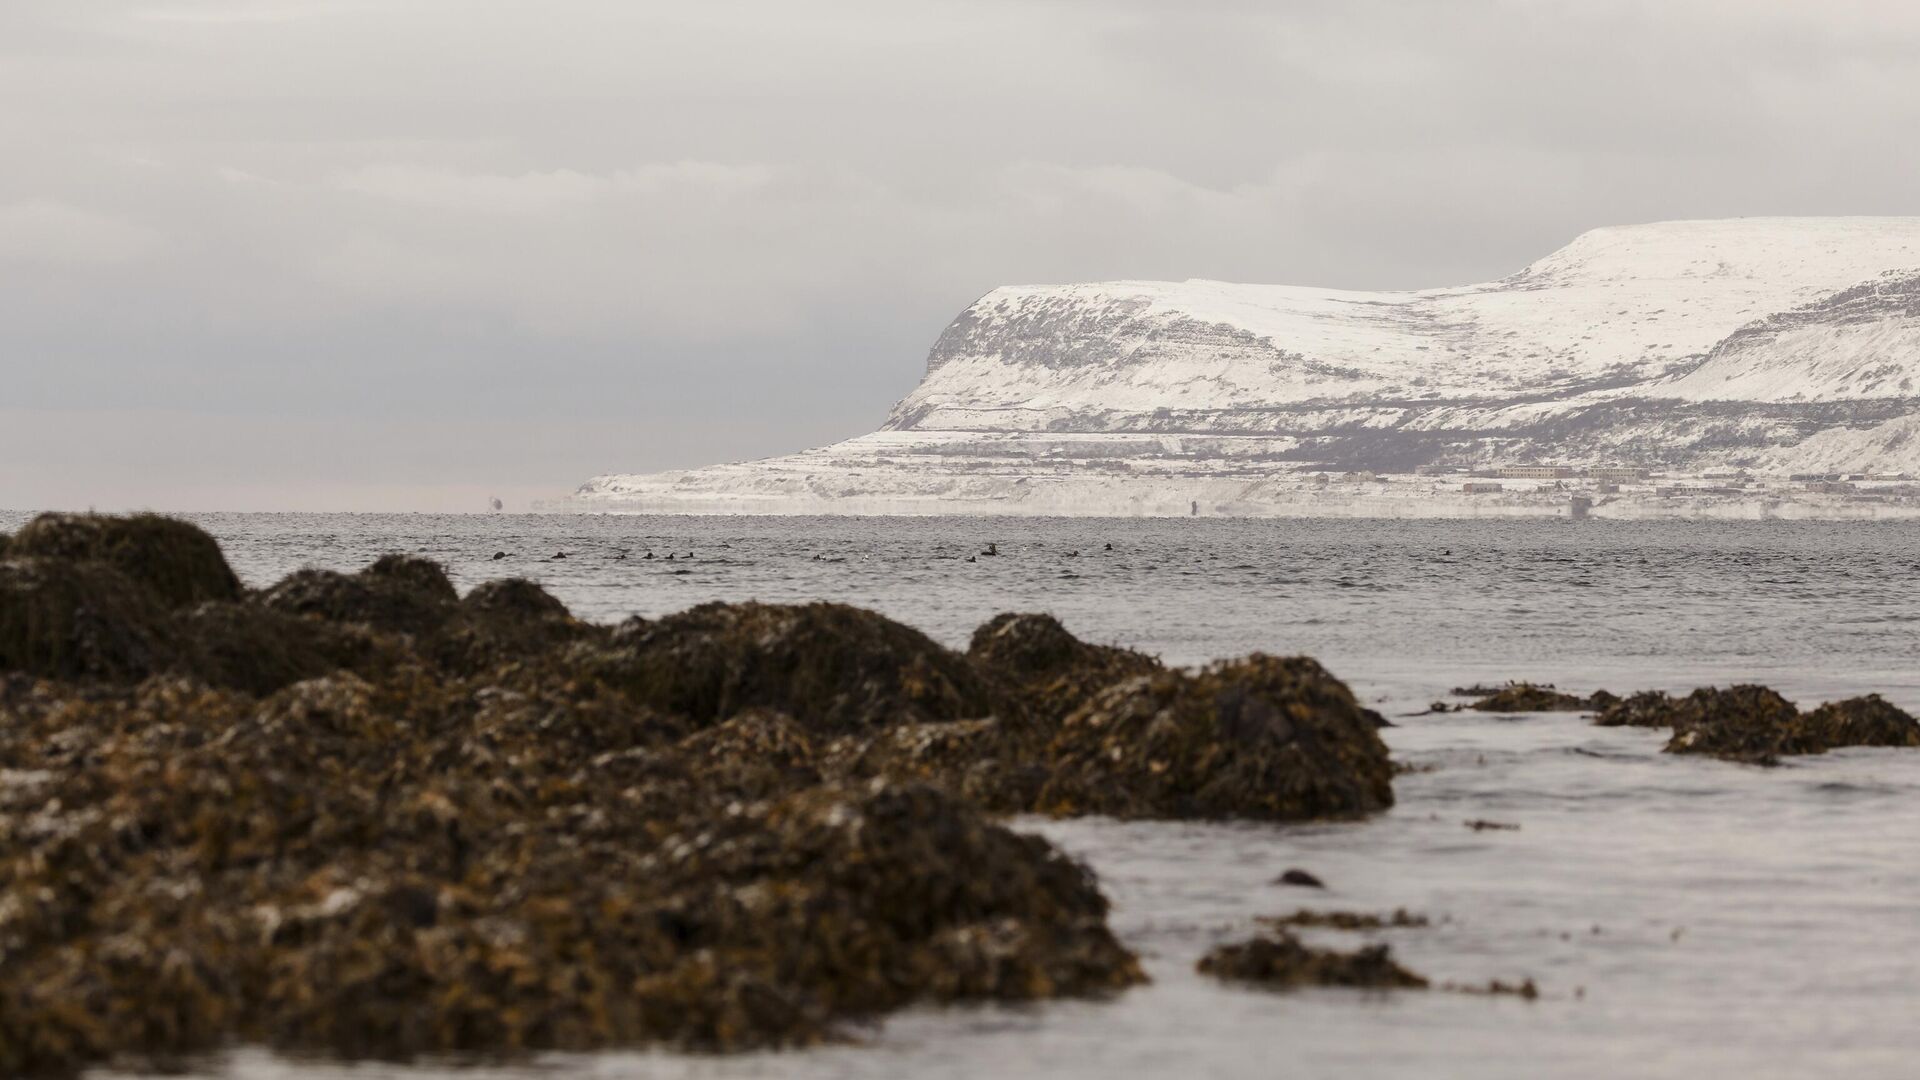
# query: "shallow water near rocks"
1681, 916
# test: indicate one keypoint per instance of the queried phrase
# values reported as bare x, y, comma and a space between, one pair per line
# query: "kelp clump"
1281, 961
357, 815
1520, 697
1266, 737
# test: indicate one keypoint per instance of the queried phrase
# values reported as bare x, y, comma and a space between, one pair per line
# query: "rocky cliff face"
1681, 344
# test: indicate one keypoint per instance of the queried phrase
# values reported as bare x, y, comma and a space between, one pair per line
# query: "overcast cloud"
408, 253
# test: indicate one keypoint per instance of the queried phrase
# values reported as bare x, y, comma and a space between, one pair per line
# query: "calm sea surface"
1682, 917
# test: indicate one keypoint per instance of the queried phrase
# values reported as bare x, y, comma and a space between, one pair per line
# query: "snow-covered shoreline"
1776, 348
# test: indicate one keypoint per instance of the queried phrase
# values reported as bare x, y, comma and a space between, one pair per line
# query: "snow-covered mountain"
1778, 344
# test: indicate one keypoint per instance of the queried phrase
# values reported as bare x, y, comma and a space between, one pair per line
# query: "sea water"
1682, 917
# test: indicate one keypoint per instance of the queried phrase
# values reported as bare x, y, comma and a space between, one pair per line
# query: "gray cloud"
376, 255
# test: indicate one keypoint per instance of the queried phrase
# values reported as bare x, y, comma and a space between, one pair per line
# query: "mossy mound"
68, 619
1265, 737
1055, 671
834, 669
398, 593
177, 560
1280, 961
1520, 697
1860, 721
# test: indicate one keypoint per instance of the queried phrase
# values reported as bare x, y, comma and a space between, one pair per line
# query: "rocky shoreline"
363, 816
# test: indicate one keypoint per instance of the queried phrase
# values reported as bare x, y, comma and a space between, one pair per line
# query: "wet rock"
1860, 721
1281, 961
1265, 737
178, 561
80, 620
398, 593
834, 669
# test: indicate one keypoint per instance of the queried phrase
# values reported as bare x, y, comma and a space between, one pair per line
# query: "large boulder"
175, 559
834, 669
1266, 737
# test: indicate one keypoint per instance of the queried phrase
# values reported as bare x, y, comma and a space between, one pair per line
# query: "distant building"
1538, 472
1358, 477
1618, 474
1479, 488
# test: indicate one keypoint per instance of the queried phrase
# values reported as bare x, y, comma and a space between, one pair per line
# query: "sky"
413, 254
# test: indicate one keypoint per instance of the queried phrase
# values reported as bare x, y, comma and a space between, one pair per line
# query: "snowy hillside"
1778, 344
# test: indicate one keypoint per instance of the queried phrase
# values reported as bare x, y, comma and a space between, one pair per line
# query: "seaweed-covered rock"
1741, 723
1057, 670
505, 622
1280, 961
999, 766
1756, 725
1647, 708
834, 669
80, 620
260, 650
1522, 697
175, 559
398, 593
418, 866
1265, 737
1860, 721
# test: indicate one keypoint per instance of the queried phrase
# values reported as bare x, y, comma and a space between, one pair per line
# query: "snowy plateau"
1759, 367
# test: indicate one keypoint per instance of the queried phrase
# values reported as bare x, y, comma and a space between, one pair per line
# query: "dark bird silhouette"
559, 555
1109, 547
498, 555
972, 559
669, 556
992, 549
1073, 554
649, 555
